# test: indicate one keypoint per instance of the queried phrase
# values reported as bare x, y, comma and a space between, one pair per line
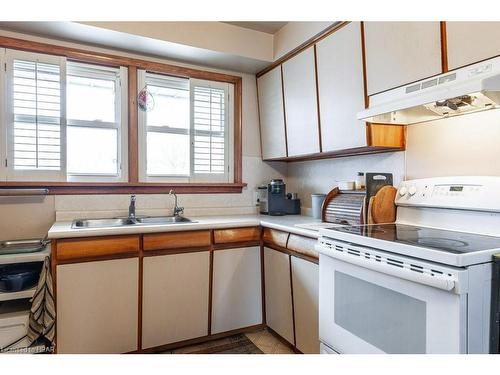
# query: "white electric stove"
421, 284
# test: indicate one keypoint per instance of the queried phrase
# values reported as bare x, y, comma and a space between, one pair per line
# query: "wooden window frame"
133, 186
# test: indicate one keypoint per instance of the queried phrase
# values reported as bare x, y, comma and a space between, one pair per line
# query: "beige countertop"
287, 223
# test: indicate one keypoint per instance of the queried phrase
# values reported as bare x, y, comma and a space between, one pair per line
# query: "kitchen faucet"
131, 208
177, 210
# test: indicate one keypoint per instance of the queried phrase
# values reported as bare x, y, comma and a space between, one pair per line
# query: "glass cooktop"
444, 240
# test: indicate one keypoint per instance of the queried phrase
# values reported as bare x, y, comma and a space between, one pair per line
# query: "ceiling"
81, 33
265, 27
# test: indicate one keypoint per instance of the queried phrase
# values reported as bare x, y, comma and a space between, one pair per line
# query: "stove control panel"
469, 192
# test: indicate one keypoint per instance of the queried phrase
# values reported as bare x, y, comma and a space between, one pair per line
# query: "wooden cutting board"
381, 208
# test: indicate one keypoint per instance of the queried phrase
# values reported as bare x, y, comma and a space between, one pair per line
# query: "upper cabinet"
301, 105
470, 42
308, 103
341, 88
398, 53
272, 116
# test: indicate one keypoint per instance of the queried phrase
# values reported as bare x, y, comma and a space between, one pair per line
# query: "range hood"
467, 90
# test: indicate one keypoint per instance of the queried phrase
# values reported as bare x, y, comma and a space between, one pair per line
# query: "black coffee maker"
275, 202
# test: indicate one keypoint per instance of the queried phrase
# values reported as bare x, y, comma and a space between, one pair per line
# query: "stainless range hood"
467, 90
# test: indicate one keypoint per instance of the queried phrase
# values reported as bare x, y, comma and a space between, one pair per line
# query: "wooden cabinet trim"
316, 81
275, 237
444, 47
284, 109
96, 247
235, 235
176, 240
369, 150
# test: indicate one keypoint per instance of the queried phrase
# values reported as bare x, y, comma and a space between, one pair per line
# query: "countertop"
287, 223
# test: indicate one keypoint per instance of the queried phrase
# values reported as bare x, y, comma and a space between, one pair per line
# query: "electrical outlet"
256, 198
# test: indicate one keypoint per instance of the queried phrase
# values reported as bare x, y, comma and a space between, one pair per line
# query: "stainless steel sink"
101, 223
164, 220
122, 222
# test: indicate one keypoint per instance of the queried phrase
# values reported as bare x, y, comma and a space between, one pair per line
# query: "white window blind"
209, 128
165, 128
185, 137
94, 121
36, 115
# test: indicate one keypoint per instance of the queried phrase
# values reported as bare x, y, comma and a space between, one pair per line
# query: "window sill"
84, 188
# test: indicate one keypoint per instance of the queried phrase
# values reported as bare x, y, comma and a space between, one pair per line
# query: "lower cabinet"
279, 313
236, 289
97, 306
175, 298
305, 281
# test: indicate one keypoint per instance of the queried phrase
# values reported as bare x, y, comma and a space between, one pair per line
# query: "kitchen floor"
260, 342
268, 343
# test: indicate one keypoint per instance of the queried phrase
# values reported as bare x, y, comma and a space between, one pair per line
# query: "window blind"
167, 126
209, 127
37, 115
93, 120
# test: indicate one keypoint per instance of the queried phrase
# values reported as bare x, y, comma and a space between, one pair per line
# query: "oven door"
366, 309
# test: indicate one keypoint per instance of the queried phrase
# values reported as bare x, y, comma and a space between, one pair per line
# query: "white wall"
321, 176
465, 145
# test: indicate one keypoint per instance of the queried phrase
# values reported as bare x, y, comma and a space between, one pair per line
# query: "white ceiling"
265, 27
99, 37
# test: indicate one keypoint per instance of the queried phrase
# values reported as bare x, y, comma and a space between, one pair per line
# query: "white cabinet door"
470, 42
305, 281
341, 89
279, 313
236, 289
398, 53
271, 114
97, 306
175, 298
301, 108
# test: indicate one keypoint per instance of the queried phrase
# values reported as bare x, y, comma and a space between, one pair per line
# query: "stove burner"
441, 242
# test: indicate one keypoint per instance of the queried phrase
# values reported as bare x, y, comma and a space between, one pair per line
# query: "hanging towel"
43, 312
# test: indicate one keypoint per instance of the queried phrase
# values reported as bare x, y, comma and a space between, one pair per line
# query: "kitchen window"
70, 123
34, 121
184, 134
63, 120
96, 137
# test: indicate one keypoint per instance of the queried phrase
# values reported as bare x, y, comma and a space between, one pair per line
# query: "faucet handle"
133, 198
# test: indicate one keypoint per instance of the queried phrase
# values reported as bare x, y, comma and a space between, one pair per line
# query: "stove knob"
402, 191
412, 190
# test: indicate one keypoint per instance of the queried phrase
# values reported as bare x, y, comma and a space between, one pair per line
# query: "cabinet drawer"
276, 237
237, 235
302, 245
82, 248
176, 240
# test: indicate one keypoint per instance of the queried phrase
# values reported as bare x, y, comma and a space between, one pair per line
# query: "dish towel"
43, 312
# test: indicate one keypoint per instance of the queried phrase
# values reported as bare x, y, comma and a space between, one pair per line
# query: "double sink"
122, 222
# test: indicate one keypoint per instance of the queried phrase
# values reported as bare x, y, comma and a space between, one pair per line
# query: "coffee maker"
274, 201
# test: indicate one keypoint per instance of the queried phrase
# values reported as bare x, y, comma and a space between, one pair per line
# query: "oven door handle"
439, 281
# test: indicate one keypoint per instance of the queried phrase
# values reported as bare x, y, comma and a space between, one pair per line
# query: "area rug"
237, 344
